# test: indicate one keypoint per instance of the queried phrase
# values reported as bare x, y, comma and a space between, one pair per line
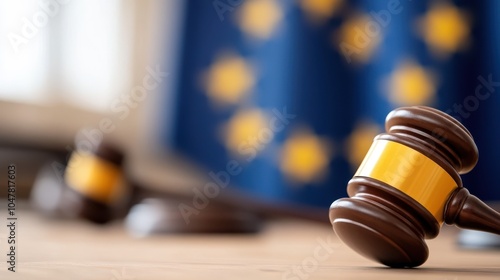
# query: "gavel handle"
469, 212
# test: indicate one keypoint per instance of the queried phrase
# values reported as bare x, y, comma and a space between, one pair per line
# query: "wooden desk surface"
49, 249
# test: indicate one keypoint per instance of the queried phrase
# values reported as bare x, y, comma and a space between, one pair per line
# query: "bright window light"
74, 52
24, 52
95, 56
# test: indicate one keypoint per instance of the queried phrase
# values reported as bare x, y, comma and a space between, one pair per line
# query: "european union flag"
281, 99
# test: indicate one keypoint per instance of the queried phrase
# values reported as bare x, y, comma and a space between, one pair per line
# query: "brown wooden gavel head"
407, 186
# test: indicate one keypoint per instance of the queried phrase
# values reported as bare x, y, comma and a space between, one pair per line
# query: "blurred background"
276, 101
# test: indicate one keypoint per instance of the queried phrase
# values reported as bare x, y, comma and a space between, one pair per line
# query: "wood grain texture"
51, 249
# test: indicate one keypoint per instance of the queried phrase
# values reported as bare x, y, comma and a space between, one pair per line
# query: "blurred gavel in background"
95, 186
407, 186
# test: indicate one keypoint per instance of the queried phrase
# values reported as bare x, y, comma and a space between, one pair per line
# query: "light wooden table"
49, 249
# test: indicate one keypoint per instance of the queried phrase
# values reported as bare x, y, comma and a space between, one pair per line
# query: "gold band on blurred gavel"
94, 177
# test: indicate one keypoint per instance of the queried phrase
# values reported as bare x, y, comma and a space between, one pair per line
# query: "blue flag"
282, 98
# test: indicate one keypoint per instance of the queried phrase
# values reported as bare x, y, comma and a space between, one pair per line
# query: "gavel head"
399, 195
96, 183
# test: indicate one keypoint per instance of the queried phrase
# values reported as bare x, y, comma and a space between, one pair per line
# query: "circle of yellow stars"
305, 156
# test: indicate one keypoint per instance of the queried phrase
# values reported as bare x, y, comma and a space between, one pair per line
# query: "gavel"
408, 186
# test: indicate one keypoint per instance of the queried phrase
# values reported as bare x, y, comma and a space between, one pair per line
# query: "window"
24, 53
62, 51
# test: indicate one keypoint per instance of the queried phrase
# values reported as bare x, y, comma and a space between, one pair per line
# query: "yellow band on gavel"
94, 177
411, 172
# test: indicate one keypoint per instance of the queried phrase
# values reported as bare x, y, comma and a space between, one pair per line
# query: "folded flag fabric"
282, 98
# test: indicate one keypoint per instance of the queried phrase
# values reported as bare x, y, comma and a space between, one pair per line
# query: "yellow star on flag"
360, 141
259, 18
410, 84
445, 29
356, 40
305, 157
229, 80
320, 10
244, 128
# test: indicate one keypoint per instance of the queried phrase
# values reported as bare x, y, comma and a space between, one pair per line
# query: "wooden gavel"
407, 186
